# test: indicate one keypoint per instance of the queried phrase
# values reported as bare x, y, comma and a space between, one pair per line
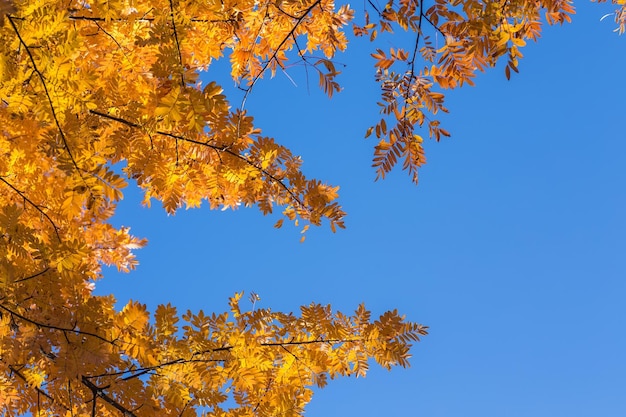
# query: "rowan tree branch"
34, 275
39, 390
47, 92
144, 19
137, 372
26, 199
308, 342
218, 149
65, 330
275, 54
99, 392
180, 57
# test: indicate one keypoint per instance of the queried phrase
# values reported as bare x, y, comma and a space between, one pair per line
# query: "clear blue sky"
512, 248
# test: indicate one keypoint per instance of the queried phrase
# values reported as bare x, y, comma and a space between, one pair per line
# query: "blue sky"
511, 248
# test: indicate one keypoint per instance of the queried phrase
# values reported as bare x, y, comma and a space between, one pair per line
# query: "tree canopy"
86, 85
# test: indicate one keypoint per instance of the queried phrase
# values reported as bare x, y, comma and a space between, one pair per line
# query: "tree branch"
33, 276
45, 87
275, 54
52, 327
26, 199
39, 390
146, 19
218, 149
99, 392
308, 342
180, 57
137, 372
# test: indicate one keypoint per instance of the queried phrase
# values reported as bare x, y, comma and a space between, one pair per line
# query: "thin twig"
99, 392
39, 390
33, 276
217, 149
43, 213
180, 57
45, 87
137, 372
434, 25
275, 54
147, 19
65, 330
374, 7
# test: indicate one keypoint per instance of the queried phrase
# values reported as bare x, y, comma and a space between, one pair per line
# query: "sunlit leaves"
94, 93
451, 43
266, 362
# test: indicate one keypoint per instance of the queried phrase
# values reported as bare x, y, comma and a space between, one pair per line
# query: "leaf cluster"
265, 363
96, 94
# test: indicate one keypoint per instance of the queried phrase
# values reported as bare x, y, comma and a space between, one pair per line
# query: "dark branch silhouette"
65, 330
26, 199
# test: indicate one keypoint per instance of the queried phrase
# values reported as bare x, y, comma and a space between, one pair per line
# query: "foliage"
123, 362
88, 84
